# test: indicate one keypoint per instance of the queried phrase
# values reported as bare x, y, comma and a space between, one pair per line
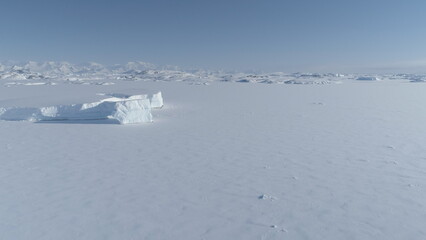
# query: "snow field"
222, 161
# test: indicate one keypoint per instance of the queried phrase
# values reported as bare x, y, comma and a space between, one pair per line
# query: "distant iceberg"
365, 78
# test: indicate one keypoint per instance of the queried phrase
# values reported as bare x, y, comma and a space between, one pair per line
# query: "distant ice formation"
365, 78
53, 73
126, 110
310, 81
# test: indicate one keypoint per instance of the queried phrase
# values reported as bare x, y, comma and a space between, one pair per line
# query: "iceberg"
132, 109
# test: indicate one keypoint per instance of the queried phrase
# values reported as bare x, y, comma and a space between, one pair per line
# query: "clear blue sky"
268, 35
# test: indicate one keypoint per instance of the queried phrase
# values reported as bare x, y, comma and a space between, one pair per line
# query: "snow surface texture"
131, 109
222, 161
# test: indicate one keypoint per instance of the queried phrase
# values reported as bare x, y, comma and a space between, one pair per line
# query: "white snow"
222, 161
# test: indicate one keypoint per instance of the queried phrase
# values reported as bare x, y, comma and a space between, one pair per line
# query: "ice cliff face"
157, 100
132, 111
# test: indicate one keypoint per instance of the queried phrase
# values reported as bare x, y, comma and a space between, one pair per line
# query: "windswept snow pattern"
126, 110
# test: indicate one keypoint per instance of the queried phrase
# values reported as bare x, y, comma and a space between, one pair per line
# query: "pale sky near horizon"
265, 35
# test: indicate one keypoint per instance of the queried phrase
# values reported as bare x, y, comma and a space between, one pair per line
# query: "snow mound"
126, 110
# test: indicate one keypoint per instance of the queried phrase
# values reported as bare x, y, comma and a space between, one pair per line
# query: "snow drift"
131, 109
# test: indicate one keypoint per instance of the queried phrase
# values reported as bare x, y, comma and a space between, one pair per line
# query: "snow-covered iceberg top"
130, 109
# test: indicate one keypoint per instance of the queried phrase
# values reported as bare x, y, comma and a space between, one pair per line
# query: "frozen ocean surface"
223, 160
